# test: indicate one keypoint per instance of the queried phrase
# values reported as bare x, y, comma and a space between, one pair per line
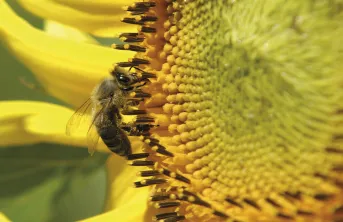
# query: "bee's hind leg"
141, 127
138, 128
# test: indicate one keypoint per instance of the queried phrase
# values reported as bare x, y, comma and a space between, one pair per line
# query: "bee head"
123, 78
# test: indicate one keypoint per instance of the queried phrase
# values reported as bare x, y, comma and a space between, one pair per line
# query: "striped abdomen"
115, 139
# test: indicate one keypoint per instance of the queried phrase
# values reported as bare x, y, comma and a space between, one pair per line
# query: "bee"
107, 100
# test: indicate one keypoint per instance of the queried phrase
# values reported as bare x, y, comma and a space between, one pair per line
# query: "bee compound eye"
123, 79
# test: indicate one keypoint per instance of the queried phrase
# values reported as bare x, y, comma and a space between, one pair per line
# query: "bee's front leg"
133, 101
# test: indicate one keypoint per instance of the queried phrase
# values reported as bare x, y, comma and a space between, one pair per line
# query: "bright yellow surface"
124, 202
101, 18
68, 70
29, 122
3, 218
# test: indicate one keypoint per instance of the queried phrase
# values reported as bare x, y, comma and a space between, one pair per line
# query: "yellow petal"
3, 218
133, 210
96, 17
63, 31
126, 202
120, 179
96, 6
67, 69
29, 122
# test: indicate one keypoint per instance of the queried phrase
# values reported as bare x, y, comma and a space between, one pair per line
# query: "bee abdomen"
115, 140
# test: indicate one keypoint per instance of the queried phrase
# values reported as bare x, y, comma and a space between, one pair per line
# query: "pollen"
245, 103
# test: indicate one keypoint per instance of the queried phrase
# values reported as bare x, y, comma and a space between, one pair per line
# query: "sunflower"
240, 117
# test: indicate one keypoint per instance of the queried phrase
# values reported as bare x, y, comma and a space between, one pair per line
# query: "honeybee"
107, 101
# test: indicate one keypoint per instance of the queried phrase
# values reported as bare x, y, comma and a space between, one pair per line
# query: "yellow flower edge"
123, 202
3, 218
63, 31
32, 122
96, 17
68, 70
133, 210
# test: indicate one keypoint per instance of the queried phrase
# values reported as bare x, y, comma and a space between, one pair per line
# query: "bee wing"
92, 139
82, 117
79, 118
92, 134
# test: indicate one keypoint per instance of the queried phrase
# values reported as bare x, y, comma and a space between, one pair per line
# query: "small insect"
108, 99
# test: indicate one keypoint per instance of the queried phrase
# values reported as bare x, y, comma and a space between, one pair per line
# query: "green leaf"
51, 183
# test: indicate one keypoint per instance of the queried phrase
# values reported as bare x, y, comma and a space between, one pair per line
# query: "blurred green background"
45, 182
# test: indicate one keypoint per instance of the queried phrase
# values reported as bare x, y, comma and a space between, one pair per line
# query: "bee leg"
141, 127
143, 84
131, 87
133, 112
133, 67
134, 101
125, 127
130, 129
144, 75
136, 68
137, 128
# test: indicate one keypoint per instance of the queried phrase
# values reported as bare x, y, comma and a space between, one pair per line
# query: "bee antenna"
131, 68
